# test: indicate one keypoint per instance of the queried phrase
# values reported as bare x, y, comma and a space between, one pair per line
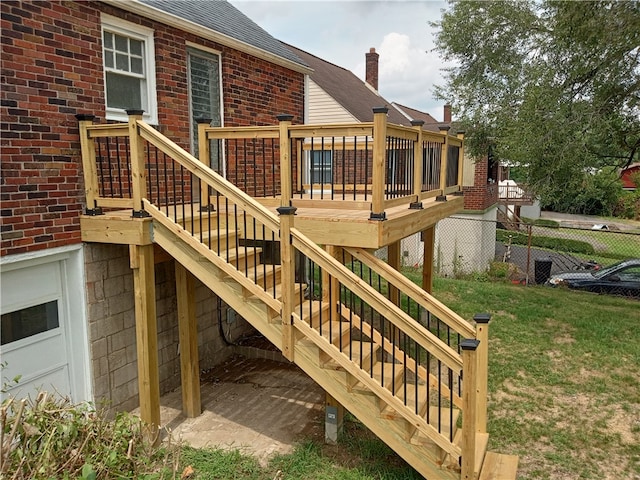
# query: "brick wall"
112, 326
52, 70
482, 194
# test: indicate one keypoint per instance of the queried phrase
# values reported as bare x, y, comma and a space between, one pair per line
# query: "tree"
554, 86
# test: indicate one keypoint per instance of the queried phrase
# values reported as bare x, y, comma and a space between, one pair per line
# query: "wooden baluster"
204, 155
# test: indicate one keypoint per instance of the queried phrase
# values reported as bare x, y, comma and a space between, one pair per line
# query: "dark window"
29, 321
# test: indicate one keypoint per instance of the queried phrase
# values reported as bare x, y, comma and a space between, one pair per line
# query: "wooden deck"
326, 223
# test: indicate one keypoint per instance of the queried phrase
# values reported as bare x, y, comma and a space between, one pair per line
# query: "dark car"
619, 279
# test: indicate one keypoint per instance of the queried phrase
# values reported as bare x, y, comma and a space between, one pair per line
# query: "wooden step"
392, 377
482, 441
498, 466
441, 423
353, 352
407, 394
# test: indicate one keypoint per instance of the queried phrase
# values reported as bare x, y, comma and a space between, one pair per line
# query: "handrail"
400, 319
426, 300
206, 174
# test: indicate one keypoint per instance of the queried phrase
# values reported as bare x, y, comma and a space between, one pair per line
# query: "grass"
564, 394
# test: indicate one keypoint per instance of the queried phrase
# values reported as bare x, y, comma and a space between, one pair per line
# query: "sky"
342, 32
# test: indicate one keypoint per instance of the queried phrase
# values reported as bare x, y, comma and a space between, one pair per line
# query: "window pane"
108, 59
124, 92
108, 40
28, 322
136, 65
122, 43
122, 62
136, 47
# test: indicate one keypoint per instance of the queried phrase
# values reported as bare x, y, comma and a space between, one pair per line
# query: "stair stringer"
366, 408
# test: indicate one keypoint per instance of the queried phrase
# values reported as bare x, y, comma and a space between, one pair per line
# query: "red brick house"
627, 173
67, 312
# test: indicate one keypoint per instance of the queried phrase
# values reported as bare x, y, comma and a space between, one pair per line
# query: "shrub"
50, 438
550, 243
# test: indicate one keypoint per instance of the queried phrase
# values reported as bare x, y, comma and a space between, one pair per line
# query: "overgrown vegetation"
49, 438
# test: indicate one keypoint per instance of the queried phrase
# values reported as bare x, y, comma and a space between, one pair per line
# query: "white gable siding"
324, 109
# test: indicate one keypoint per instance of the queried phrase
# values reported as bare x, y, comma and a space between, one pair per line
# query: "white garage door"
37, 334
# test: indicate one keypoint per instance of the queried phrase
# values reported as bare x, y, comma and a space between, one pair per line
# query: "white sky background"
341, 32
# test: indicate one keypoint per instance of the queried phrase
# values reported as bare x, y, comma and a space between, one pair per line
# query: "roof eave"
152, 13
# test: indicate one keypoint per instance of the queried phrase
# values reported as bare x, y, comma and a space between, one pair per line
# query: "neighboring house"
67, 307
337, 95
627, 174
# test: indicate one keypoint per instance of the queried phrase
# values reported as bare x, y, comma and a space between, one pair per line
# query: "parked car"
622, 278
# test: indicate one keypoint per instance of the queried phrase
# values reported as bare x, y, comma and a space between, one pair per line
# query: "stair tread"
409, 400
498, 466
389, 382
352, 350
444, 428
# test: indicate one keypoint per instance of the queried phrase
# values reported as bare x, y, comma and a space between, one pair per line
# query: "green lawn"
564, 393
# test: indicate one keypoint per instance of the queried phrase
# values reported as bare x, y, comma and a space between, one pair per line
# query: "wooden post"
469, 361
393, 259
144, 286
443, 164
460, 135
287, 261
333, 420
204, 155
138, 173
89, 169
285, 160
379, 155
428, 237
418, 164
188, 338
482, 335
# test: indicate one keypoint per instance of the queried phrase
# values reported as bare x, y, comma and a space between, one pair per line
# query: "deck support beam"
188, 337
333, 420
144, 287
428, 237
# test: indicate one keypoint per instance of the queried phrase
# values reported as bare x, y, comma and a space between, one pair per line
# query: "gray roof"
348, 90
222, 17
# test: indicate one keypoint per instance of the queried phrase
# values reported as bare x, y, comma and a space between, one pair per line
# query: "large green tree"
554, 86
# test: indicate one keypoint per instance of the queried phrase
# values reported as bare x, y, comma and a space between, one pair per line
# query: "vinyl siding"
324, 109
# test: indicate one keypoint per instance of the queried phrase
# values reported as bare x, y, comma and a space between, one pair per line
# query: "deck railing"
371, 165
396, 341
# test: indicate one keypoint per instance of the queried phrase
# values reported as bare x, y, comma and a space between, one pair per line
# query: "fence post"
204, 155
379, 155
287, 261
285, 160
89, 169
469, 361
460, 135
418, 164
482, 335
443, 164
138, 173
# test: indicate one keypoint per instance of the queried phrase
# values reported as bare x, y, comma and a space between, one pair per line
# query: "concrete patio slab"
258, 406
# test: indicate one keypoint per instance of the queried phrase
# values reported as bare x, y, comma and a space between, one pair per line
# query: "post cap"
482, 317
284, 117
286, 210
134, 112
417, 123
444, 128
469, 344
381, 110
203, 120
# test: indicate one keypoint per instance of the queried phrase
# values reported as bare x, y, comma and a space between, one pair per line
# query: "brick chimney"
372, 68
447, 114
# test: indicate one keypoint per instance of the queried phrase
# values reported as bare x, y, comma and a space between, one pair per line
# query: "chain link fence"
529, 253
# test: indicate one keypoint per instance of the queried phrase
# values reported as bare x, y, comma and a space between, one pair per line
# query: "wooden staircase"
351, 322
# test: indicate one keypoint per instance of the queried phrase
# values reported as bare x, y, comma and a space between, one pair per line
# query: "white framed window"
128, 56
